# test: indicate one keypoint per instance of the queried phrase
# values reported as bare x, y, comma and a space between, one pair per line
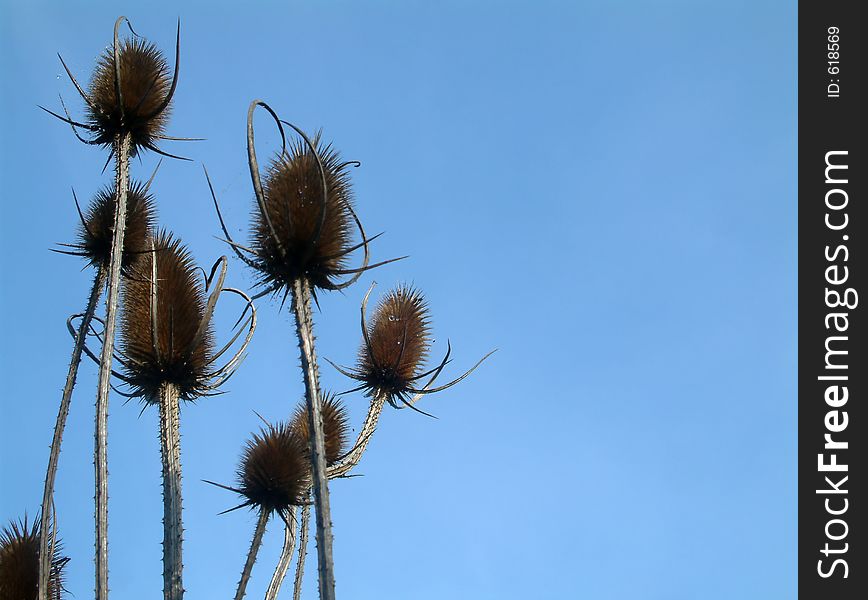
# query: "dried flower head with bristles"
144, 85
335, 422
303, 220
314, 239
174, 343
274, 473
130, 93
398, 341
19, 563
95, 231
395, 346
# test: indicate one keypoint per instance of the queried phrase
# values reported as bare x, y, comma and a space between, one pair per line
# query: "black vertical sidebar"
833, 269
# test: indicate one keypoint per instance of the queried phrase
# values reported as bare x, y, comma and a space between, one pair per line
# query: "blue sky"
604, 191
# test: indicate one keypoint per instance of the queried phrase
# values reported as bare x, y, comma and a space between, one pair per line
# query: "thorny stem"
352, 458
339, 469
62, 414
121, 147
285, 556
302, 552
251, 555
301, 305
170, 451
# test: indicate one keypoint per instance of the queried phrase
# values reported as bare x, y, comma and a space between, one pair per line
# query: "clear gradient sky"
603, 190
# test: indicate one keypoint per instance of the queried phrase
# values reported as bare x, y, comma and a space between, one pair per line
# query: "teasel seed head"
19, 563
336, 426
274, 473
95, 232
294, 203
395, 346
398, 339
145, 85
177, 351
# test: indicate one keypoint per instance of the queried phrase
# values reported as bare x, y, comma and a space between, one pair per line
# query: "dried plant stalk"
60, 425
352, 458
302, 552
255, 543
285, 555
170, 450
301, 305
121, 149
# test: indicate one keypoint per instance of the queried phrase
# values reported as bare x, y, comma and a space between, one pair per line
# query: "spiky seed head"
178, 358
399, 335
96, 233
19, 563
293, 200
274, 473
144, 83
335, 422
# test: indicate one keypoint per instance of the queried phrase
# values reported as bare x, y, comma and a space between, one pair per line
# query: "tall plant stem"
170, 450
59, 426
301, 305
285, 556
121, 147
302, 552
251, 555
352, 458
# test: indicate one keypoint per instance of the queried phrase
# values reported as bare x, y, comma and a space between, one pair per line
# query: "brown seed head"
275, 470
95, 233
399, 335
144, 83
178, 357
19, 564
293, 200
335, 423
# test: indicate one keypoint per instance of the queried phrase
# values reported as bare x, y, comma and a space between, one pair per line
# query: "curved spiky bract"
95, 231
19, 563
397, 343
313, 240
145, 83
274, 473
336, 426
172, 353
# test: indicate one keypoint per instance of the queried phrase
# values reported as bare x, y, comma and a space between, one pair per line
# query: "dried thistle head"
398, 339
19, 563
174, 343
335, 422
303, 218
274, 473
95, 233
145, 86
130, 93
395, 346
310, 239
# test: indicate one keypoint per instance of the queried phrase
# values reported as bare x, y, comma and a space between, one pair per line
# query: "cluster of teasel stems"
294, 252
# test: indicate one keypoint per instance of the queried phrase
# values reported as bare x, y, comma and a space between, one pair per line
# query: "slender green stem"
59, 426
170, 450
301, 305
121, 148
251, 555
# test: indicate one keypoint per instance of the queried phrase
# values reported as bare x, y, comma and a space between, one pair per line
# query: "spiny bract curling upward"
274, 473
398, 337
335, 426
145, 84
95, 233
19, 564
293, 201
175, 354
